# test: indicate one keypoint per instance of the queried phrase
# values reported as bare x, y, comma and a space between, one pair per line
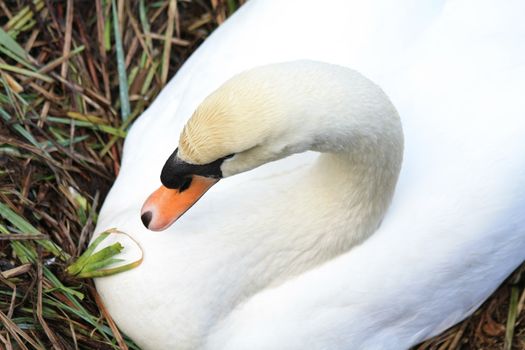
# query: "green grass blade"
143, 14
511, 318
78, 265
15, 57
9, 43
24, 253
117, 132
27, 228
25, 72
125, 107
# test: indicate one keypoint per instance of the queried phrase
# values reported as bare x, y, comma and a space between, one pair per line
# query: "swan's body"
455, 228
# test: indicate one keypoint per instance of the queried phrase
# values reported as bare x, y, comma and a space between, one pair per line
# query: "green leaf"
100, 264
105, 253
78, 265
109, 272
90, 265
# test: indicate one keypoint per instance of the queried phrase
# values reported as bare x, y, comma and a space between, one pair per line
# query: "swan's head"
233, 130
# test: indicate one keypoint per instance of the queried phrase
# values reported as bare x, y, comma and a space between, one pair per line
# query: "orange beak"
164, 206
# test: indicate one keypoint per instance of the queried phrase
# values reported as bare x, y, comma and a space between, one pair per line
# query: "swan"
294, 249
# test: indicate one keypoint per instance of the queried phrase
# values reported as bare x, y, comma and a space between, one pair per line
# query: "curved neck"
347, 118
273, 111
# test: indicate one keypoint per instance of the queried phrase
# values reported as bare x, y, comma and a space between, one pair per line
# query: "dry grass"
73, 76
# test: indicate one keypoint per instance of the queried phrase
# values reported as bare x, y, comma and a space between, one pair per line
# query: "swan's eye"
186, 182
229, 156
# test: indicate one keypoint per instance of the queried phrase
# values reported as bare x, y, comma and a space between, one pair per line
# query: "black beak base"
176, 172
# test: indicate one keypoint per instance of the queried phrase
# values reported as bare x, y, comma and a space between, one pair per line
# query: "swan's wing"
456, 227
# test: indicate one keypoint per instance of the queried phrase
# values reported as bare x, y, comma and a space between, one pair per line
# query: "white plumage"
455, 72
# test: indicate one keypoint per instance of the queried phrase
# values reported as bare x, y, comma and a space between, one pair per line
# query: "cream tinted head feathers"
237, 117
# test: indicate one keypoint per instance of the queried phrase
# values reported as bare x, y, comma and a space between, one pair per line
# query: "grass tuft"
64, 73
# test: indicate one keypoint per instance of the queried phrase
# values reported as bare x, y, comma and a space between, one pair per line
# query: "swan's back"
455, 229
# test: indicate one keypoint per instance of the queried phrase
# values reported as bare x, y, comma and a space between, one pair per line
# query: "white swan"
224, 276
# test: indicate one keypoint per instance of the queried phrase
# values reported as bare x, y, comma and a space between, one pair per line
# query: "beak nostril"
185, 184
146, 218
